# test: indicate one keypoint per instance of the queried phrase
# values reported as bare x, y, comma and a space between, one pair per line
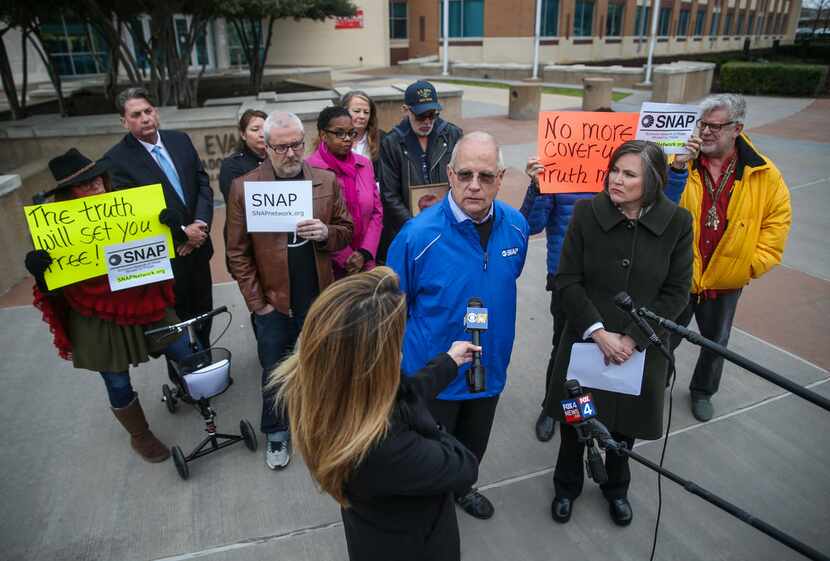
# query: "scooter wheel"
168, 399
248, 434
180, 462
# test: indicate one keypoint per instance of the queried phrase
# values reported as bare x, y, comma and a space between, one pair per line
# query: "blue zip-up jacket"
441, 266
552, 212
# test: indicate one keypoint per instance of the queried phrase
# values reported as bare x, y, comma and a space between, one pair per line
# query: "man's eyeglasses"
297, 147
428, 116
343, 135
714, 127
486, 178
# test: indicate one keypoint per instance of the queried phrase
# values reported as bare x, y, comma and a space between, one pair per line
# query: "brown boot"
142, 439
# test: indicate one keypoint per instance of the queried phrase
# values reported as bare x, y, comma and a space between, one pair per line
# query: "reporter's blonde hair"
340, 383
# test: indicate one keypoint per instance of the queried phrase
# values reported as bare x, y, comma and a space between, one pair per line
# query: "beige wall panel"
463, 53
309, 43
508, 49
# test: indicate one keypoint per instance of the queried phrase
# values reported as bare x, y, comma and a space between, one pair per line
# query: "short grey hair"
281, 120
480, 136
128, 94
734, 104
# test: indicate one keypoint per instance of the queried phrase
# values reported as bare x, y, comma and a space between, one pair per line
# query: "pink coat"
371, 212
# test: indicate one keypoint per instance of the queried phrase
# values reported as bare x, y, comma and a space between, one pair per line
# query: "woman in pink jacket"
336, 133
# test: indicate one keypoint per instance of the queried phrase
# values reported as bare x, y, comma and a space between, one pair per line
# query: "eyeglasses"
343, 135
714, 127
485, 178
428, 116
283, 148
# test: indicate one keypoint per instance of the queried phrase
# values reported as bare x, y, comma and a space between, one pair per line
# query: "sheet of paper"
277, 206
668, 124
588, 366
138, 262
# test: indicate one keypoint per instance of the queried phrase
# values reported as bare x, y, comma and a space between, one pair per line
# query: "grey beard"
288, 170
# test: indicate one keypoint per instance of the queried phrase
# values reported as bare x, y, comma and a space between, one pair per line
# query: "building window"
739, 27
466, 18
683, 23
760, 27
713, 25
663, 22
236, 53
550, 18
750, 23
613, 22
727, 24
397, 19
641, 21
584, 18
74, 47
700, 18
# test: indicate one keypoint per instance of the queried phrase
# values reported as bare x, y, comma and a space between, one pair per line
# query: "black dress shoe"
545, 427
476, 504
561, 508
620, 510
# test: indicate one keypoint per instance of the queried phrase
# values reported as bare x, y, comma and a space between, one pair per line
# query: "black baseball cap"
421, 97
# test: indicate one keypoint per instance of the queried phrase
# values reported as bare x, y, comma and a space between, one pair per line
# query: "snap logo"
510, 252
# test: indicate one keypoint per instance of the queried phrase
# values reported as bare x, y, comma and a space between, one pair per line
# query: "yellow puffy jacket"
758, 221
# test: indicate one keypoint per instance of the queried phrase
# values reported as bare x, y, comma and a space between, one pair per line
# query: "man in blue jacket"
468, 245
552, 213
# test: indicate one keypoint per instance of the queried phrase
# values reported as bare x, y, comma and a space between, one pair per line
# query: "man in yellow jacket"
741, 217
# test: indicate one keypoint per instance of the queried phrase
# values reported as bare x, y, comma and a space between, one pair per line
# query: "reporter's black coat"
401, 494
605, 253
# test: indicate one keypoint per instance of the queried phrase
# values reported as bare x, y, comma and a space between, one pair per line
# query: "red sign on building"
351, 22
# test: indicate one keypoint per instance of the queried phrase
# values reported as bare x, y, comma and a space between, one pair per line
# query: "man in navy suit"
147, 155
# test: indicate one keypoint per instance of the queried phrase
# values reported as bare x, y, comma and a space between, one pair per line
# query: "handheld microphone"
624, 302
475, 321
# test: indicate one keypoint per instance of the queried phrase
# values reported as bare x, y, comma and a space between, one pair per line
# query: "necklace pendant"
712, 220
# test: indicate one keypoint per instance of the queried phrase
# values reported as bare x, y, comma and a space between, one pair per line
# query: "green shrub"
758, 78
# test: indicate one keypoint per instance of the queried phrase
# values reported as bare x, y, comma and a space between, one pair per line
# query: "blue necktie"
169, 171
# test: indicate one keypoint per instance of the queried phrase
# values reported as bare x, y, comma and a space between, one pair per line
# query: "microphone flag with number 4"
578, 409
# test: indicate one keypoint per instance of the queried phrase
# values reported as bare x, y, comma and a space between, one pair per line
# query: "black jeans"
276, 334
714, 321
468, 420
557, 312
569, 475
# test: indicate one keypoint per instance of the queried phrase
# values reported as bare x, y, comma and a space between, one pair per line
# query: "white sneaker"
277, 454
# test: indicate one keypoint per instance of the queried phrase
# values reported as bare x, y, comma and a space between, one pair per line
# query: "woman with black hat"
101, 330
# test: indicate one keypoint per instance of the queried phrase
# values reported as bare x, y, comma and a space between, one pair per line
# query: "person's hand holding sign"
313, 230
691, 152
533, 169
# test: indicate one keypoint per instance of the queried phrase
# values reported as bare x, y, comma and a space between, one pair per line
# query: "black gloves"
37, 262
171, 218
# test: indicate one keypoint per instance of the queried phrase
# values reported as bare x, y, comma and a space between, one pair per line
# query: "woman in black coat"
364, 430
630, 237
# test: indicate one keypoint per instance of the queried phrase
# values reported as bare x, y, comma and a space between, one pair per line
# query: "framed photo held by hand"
424, 196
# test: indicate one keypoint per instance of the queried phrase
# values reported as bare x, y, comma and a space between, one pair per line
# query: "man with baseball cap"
415, 152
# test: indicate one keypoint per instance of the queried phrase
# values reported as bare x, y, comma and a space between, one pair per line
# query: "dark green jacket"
605, 253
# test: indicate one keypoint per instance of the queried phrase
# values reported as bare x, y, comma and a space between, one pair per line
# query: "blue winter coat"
553, 212
441, 266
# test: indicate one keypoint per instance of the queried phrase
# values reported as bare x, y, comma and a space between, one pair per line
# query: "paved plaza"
71, 488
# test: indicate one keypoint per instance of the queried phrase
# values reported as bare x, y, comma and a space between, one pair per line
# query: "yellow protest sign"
76, 232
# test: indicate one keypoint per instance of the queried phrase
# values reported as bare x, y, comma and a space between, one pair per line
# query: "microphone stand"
731, 356
722, 504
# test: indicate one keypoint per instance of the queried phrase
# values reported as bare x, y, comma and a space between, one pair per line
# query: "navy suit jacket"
131, 165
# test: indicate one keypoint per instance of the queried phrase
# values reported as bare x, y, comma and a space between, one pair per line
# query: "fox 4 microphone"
579, 410
475, 321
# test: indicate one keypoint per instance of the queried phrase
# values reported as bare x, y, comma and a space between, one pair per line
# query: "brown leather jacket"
259, 261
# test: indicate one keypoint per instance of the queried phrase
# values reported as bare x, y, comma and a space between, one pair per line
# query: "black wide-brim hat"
69, 169
74, 168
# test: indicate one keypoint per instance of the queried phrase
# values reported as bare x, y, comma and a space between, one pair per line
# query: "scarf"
346, 171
